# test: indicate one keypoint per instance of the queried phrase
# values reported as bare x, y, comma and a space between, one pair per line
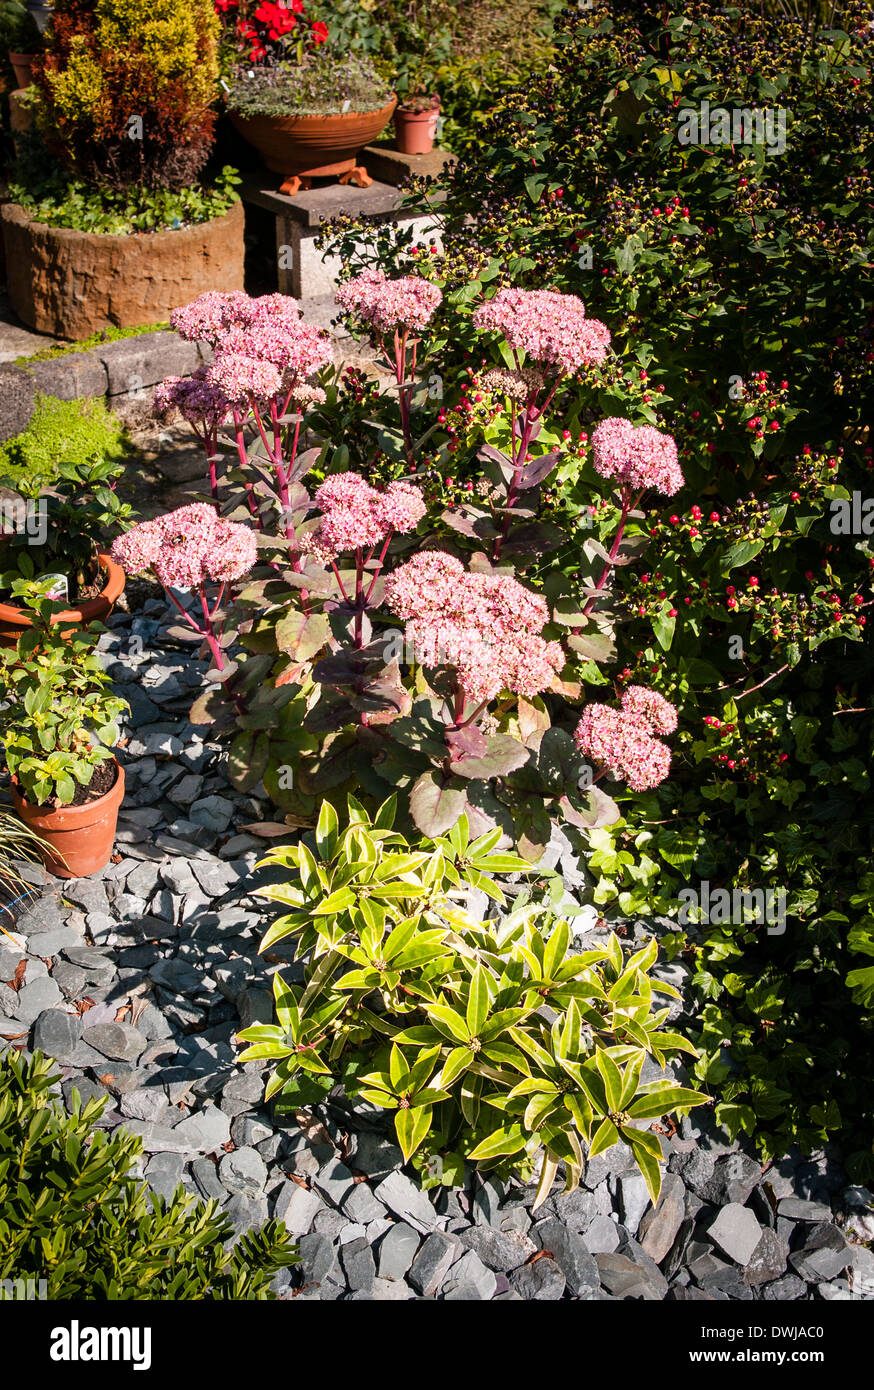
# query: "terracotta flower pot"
22, 66
14, 620
81, 837
304, 147
416, 131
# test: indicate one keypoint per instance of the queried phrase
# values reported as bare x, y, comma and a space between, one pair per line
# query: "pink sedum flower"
650, 708
263, 349
186, 548
485, 625
546, 327
209, 316
198, 400
642, 458
386, 305
356, 515
621, 740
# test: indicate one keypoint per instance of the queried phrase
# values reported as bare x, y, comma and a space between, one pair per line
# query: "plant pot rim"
356, 115
25, 57
403, 110
86, 612
68, 817
14, 212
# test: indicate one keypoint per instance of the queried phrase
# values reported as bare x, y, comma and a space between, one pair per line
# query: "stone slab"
388, 165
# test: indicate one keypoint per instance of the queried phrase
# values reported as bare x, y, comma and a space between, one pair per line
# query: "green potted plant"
55, 514
21, 40
309, 119
124, 101
415, 122
58, 727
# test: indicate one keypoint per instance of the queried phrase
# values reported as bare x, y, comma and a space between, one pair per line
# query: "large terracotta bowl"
301, 147
15, 621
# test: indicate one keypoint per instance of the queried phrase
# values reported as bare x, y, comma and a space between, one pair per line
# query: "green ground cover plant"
73, 1214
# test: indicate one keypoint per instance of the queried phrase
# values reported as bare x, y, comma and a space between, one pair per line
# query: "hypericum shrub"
72, 1214
127, 88
734, 277
487, 1041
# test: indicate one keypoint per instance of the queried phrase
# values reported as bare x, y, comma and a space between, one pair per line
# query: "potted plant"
415, 122
21, 40
124, 108
58, 727
54, 527
309, 119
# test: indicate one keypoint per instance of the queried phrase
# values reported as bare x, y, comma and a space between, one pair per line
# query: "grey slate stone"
624, 1278
659, 1226
358, 1264
541, 1282
734, 1177
432, 1263
633, 1198
206, 1131
297, 1206
570, 1253
397, 1251
243, 1170
797, 1209
407, 1201
36, 998
56, 1033
361, 1205
783, 1290
736, 1231
118, 1041
206, 1177
468, 1278
602, 1236
768, 1260
376, 1156
334, 1181
387, 1291
825, 1255
178, 976
498, 1250
318, 1258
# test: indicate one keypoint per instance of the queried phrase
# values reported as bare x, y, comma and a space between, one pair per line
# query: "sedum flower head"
642, 458
548, 328
187, 547
622, 740
408, 302
488, 626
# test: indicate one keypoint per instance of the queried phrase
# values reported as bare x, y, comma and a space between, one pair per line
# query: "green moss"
61, 435
110, 334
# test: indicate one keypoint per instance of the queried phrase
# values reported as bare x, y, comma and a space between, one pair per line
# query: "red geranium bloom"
320, 31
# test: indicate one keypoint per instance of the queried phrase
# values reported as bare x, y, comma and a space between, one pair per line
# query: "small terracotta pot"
80, 836
14, 620
22, 66
415, 131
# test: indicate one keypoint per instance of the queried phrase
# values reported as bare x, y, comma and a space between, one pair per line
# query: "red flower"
319, 32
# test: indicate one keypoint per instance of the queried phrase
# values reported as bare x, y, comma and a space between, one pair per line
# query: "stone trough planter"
71, 283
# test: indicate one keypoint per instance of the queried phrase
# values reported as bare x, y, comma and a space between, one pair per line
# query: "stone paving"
138, 979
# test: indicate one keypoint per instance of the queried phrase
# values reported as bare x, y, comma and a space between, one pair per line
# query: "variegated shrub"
489, 1041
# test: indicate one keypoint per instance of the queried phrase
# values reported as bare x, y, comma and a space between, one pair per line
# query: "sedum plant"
486, 1041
